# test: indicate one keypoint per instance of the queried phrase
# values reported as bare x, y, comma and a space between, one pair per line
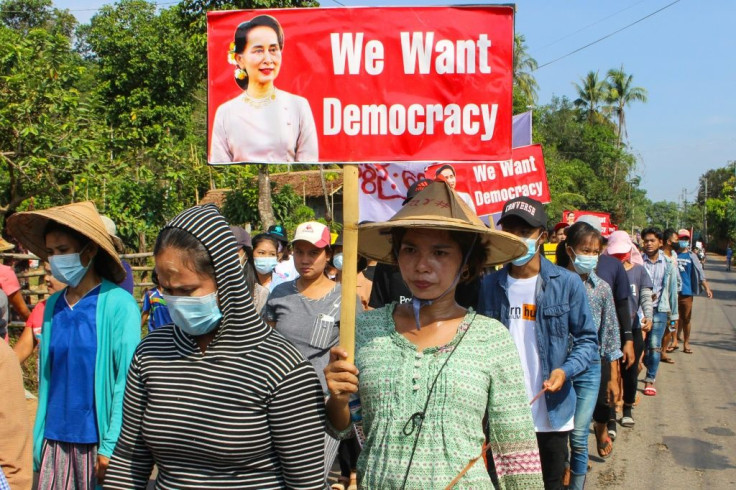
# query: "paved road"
685, 436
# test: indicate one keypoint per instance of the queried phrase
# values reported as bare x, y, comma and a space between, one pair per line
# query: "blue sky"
683, 56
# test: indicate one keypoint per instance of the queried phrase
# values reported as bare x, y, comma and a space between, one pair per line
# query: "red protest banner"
487, 186
605, 218
360, 84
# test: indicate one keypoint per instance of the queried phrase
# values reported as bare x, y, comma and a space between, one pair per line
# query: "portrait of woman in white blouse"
263, 123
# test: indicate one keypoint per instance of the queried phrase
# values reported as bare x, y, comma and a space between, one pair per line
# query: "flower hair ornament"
240, 74
231, 54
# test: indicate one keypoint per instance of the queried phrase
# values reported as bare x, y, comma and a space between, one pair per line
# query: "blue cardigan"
118, 334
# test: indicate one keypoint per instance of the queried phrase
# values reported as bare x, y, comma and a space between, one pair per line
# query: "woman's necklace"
260, 102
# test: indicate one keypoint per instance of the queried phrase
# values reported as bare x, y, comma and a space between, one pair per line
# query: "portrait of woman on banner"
263, 123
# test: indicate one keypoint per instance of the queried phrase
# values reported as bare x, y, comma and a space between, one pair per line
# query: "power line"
608, 35
589, 25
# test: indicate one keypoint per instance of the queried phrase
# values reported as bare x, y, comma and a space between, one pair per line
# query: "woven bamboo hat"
438, 207
28, 227
5, 245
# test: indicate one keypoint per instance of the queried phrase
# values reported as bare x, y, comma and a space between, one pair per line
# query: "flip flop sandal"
687, 351
650, 391
667, 360
603, 446
671, 349
341, 484
612, 429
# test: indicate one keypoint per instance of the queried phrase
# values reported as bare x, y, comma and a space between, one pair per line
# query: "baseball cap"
242, 237
593, 221
526, 208
112, 230
313, 232
683, 233
415, 188
278, 232
561, 224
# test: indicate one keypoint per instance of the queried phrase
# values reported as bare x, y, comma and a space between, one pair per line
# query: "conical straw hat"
28, 227
438, 207
5, 245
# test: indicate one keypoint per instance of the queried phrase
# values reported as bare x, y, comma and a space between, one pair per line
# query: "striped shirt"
248, 413
656, 273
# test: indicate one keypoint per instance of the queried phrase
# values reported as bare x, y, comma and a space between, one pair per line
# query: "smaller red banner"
606, 226
487, 186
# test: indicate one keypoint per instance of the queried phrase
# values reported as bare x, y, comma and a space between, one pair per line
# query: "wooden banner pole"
350, 258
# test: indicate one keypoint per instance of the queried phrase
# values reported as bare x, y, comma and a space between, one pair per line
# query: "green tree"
621, 94
580, 157
145, 80
24, 15
241, 207
720, 204
153, 108
48, 132
525, 85
662, 214
592, 92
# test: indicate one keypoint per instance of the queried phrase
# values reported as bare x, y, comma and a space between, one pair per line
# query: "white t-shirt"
284, 271
522, 325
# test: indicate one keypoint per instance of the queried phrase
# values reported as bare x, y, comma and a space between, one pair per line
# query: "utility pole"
681, 209
705, 215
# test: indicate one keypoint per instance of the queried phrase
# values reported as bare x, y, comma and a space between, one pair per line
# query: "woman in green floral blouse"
429, 371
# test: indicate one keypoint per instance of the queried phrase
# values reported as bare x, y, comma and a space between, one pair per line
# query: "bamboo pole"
350, 259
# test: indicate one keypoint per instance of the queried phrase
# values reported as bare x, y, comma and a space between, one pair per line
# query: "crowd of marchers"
483, 354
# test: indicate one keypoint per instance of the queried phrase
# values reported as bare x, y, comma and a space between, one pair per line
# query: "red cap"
561, 224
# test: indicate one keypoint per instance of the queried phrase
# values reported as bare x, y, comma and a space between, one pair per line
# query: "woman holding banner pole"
431, 370
263, 123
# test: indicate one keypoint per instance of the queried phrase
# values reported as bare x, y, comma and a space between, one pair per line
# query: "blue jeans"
654, 346
586, 385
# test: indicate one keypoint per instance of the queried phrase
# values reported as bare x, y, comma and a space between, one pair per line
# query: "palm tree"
621, 94
591, 93
523, 67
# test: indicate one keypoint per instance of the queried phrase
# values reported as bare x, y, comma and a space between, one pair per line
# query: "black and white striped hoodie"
248, 413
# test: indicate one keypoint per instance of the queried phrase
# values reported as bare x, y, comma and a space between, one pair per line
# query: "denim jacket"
562, 311
668, 295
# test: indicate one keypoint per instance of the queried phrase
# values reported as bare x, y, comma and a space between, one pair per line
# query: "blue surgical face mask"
337, 261
531, 244
683, 244
68, 268
585, 264
265, 265
194, 315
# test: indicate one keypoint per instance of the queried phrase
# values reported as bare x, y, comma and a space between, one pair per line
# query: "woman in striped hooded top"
218, 400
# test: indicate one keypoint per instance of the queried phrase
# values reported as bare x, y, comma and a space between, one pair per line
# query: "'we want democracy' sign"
364, 85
